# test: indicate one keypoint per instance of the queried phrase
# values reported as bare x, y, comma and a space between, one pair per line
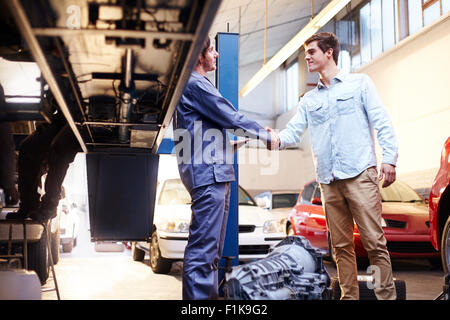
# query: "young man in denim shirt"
341, 113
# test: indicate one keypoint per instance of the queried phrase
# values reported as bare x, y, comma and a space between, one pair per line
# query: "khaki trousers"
358, 199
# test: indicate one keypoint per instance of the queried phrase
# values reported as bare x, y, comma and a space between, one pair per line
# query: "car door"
316, 227
302, 210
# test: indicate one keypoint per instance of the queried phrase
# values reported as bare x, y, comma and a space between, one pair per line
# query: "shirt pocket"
345, 104
317, 113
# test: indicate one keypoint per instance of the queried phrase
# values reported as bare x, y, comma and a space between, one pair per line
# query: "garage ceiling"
247, 17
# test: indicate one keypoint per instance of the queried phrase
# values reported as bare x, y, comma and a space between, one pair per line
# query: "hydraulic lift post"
227, 82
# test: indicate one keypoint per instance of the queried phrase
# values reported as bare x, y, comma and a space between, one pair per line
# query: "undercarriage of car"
115, 69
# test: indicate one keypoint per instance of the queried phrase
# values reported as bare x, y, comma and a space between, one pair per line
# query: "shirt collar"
339, 77
196, 74
200, 76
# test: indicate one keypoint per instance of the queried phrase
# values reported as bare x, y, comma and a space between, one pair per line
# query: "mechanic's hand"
275, 145
238, 143
11, 195
388, 172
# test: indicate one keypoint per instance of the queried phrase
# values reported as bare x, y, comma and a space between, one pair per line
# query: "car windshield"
174, 193
245, 199
399, 192
284, 200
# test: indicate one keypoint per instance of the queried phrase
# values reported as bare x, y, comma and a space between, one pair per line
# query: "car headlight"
176, 226
271, 226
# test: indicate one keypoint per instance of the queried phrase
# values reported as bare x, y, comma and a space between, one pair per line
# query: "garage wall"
264, 102
412, 80
261, 170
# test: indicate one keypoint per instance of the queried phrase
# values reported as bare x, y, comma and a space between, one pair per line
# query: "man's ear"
200, 60
329, 53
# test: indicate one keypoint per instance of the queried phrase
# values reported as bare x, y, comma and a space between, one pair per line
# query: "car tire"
436, 263
157, 262
38, 258
445, 247
364, 292
55, 244
290, 230
138, 254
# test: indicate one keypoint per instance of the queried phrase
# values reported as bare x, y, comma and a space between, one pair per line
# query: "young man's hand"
388, 172
238, 143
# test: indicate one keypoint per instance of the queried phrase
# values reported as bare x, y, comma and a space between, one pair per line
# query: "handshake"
275, 144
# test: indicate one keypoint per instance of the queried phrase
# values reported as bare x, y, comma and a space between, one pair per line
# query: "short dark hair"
325, 41
206, 45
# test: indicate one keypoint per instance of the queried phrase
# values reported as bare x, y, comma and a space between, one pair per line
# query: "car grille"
254, 249
246, 228
410, 247
395, 223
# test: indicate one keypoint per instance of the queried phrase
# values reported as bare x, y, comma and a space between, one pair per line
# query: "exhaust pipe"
125, 98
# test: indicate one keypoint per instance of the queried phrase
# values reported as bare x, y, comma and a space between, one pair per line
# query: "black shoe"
43, 214
20, 214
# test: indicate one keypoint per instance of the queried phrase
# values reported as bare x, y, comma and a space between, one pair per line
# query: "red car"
439, 208
405, 222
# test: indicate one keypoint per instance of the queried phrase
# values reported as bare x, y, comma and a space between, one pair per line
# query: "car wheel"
38, 258
138, 254
157, 262
436, 263
290, 230
445, 247
55, 243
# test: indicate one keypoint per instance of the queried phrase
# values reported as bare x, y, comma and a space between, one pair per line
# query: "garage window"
292, 86
377, 25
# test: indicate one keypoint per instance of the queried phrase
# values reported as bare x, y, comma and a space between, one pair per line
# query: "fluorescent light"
296, 42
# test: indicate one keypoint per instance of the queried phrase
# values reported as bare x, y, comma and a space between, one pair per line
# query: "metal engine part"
125, 104
292, 271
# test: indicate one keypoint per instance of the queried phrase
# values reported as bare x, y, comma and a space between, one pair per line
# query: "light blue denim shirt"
341, 121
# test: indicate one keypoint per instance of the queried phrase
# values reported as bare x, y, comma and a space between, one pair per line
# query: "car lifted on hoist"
115, 70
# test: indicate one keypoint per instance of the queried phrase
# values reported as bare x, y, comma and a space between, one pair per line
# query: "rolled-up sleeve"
381, 122
212, 105
290, 136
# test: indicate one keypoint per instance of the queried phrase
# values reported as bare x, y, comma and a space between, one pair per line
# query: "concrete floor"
85, 274
112, 276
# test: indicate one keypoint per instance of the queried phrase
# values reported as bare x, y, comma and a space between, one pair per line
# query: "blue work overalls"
201, 113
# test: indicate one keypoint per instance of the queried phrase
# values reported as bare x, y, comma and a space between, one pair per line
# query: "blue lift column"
227, 82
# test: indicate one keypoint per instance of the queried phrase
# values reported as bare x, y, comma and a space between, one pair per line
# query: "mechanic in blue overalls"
201, 111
